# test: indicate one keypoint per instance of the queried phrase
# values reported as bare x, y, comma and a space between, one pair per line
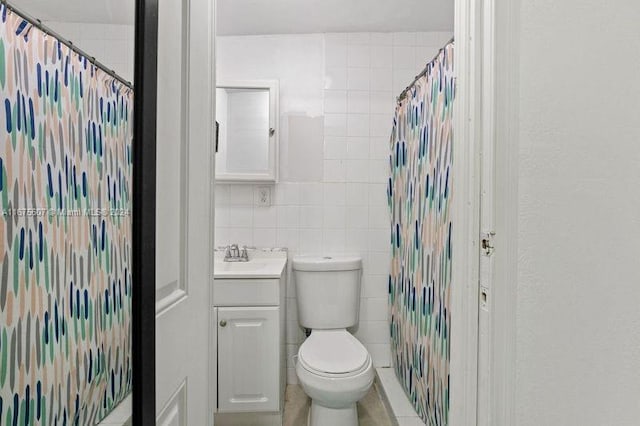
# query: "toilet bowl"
335, 371
333, 367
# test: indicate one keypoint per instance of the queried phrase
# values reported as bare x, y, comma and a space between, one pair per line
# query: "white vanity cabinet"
248, 359
249, 312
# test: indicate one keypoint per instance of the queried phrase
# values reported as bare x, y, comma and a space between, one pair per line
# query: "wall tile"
288, 193
333, 240
378, 195
402, 77
264, 237
336, 78
240, 216
379, 238
358, 124
357, 170
374, 308
381, 79
380, 125
221, 237
379, 148
381, 39
265, 217
404, 57
358, 56
311, 241
311, 194
404, 39
333, 39
358, 78
335, 194
355, 217
288, 216
335, 101
241, 236
356, 242
358, 101
222, 216
335, 124
378, 171
381, 56
241, 195
357, 193
311, 217
376, 286
288, 237
358, 38
382, 102
334, 217
379, 217
335, 170
357, 148
336, 55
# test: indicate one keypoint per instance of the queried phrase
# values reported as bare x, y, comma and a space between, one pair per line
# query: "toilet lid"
333, 352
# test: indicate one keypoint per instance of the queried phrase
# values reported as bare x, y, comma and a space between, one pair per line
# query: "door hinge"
486, 243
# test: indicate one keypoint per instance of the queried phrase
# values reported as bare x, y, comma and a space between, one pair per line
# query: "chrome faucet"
234, 254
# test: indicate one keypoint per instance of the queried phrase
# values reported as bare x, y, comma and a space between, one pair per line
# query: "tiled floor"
371, 411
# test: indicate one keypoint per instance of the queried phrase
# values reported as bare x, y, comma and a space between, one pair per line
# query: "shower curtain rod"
38, 24
422, 73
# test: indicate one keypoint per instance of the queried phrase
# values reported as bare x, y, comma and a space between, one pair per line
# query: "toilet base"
325, 416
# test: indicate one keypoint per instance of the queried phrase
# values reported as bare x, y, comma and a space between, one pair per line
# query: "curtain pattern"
419, 195
65, 234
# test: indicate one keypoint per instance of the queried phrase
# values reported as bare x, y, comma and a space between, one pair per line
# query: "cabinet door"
248, 359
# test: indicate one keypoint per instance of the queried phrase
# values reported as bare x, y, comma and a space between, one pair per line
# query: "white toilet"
334, 368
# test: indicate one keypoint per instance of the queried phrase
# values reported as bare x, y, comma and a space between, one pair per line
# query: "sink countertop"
268, 263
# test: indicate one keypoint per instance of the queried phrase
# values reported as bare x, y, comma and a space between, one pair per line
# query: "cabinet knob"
223, 323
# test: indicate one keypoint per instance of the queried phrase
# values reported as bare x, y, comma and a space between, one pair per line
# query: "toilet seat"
333, 353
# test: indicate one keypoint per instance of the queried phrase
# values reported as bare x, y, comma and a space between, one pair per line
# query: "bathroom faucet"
234, 254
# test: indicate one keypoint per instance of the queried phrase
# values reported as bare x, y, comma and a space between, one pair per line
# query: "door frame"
143, 271
485, 167
465, 215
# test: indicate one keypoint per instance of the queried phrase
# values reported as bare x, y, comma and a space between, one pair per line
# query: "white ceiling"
241, 17
88, 11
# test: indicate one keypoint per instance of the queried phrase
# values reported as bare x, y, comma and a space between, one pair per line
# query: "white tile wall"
110, 44
346, 211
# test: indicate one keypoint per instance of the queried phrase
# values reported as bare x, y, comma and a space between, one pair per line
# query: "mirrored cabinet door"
247, 143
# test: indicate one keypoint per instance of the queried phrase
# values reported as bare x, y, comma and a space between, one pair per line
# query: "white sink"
250, 266
260, 265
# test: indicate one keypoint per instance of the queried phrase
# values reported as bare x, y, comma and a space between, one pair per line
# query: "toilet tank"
327, 290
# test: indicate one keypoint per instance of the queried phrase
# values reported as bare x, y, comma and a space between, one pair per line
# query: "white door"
184, 224
248, 359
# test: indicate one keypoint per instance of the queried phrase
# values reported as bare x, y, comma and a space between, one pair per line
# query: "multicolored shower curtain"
65, 232
419, 195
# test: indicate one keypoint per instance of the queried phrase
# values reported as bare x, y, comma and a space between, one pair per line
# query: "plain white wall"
578, 303
331, 197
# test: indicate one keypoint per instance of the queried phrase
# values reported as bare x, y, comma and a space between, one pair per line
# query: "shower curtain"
419, 195
65, 234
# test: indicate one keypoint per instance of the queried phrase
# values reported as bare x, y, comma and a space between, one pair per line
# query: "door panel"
184, 225
248, 359
171, 154
175, 412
